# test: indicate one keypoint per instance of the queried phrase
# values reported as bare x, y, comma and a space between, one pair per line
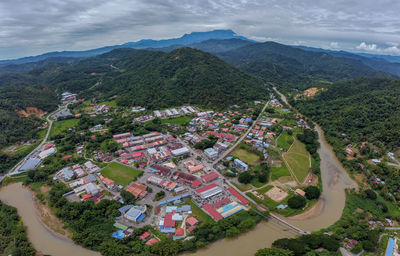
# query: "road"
50, 124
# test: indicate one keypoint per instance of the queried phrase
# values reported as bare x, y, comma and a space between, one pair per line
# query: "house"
239, 164
211, 153
152, 241
144, 236
196, 168
300, 192
191, 221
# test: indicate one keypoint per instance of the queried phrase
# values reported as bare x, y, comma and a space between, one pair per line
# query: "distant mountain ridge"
186, 39
386, 63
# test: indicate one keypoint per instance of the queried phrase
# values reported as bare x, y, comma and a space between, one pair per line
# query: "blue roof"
390, 247
30, 164
119, 234
141, 217
281, 206
229, 158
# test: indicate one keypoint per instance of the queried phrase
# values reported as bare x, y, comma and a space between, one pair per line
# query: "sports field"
121, 174
277, 172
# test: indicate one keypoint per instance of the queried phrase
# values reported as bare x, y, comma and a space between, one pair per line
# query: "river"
334, 181
42, 239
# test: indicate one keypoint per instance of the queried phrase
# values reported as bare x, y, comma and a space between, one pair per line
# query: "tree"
245, 177
232, 232
312, 192
296, 202
370, 194
273, 252
128, 197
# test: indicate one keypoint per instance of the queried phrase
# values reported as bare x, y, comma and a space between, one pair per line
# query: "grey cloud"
37, 26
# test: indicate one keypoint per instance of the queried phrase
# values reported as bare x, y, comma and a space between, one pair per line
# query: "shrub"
296, 202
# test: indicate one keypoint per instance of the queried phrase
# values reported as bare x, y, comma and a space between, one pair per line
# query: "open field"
199, 214
298, 159
121, 174
61, 126
277, 172
177, 120
284, 141
111, 103
246, 156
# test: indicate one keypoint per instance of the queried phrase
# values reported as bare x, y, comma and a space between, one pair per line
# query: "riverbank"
43, 239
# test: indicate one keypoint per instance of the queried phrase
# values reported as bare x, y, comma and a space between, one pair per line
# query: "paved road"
50, 124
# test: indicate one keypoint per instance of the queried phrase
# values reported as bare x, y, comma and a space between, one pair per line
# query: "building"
211, 153
212, 212
209, 177
238, 196
239, 164
300, 192
137, 190
208, 191
180, 151
196, 168
47, 152
136, 213
30, 164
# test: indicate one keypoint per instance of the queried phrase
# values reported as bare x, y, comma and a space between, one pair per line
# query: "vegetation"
13, 236
246, 156
297, 202
304, 244
312, 192
121, 174
60, 126
298, 160
206, 143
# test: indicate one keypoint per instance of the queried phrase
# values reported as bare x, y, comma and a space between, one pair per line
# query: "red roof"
196, 183
205, 188
221, 202
216, 215
152, 241
210, 177
191, 228
49, 146
168, 222
179, 232
238, 196
191, 221
144, 235
87, 196
66, 157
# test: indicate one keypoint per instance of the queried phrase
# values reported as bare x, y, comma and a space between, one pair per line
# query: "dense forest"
360, 110
13, 237
295, 68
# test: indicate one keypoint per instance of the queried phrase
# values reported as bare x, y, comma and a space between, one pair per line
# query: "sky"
32, 27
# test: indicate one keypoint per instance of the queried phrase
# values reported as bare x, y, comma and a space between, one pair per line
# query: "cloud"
37, 26
373, 48
334, 45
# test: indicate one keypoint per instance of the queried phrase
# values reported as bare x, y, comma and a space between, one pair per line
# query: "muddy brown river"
334, 181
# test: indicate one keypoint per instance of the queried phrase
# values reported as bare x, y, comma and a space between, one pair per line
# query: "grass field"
246, 156
277, 172
111, 103
285, 140
177, 120
264, 189
298, 159
199, 214
121, 174
61, 126
243, 187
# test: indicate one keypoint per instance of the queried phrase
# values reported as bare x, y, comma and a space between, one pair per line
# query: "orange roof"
137, 189
300, 192
196, 168
191, 221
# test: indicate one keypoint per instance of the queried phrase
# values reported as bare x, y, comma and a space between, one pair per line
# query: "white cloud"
373, 48
334, 45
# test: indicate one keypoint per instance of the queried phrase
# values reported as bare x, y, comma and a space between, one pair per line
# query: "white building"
180, 151
211, 153
239, 164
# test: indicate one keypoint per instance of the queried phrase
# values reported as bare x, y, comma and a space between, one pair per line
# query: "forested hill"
185, 75
362, 109
285, 64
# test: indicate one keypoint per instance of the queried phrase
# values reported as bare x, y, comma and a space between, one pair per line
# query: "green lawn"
178, 120
277, 172
243, 187
199, 214
298, 159
61, 126
265, 189
246, 156
121, 174
111, 103
285, 140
